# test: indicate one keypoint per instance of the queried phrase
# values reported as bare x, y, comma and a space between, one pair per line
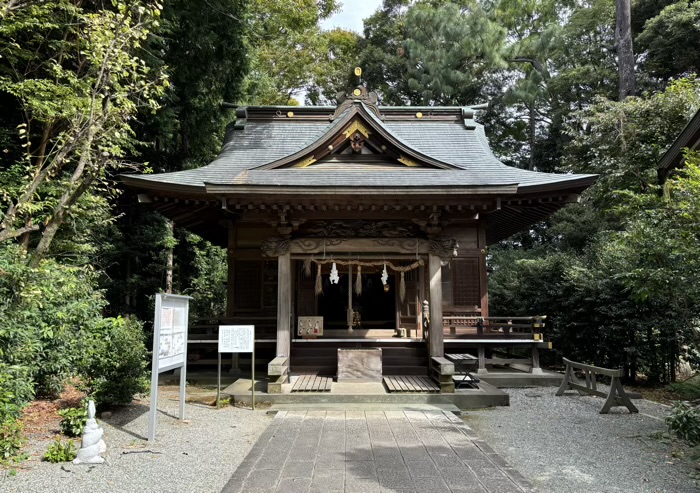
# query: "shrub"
73, 422
684, 421
16, 390
44, 310
11, 440
114, 367
60, 451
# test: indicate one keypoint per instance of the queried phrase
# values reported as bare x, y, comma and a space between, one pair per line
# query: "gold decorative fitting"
290, 114
330, 147
356, 126
419, 115
383, 147
303, 164
357, 92
358, 71
404, 160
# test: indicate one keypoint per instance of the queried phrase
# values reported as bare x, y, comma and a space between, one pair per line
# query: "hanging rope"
359, 263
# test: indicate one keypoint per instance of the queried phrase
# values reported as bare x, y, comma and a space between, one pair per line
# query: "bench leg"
482, 362
565, 383
617, 392
536, 370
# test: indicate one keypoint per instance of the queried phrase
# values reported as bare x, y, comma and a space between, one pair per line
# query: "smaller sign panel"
310, 326
236, 338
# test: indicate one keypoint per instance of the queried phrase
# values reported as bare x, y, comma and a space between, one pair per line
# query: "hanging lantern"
334, 277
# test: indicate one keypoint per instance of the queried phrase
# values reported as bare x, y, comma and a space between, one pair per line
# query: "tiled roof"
262, 141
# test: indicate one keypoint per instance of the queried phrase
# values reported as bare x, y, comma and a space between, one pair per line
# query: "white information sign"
236, 338
169, 348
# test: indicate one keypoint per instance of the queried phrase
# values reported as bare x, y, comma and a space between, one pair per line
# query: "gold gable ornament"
356, 126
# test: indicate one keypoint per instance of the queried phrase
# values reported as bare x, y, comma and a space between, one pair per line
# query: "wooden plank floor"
410, 384
312, 383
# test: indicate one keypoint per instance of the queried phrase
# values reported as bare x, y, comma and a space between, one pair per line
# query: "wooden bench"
277, 373
443, 371
482, 333
616, 396
464, 364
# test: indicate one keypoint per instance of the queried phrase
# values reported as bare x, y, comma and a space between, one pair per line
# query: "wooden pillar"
284, 303
230, 284
419, 301
483, 273
231, 263
437, 345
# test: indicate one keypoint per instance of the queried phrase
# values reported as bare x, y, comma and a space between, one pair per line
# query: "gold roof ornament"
357, 126
358, 71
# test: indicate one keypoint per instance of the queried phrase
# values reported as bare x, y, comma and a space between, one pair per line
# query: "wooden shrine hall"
362, 227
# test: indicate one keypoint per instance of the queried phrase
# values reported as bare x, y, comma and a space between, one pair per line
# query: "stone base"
360, 365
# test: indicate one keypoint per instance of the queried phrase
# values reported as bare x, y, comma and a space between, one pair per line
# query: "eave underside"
502, 214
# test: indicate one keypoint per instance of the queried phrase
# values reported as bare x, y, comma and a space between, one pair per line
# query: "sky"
351, 15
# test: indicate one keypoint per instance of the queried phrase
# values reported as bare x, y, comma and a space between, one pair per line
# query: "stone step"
364, 406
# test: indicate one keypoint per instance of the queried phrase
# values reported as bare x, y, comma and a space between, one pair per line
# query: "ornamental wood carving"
363, 229
443, 246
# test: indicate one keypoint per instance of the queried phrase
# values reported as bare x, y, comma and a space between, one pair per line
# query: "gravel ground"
562, 444
198, 455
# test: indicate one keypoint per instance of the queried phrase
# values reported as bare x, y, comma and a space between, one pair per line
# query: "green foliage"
671, 40
45, 310
73, 420
73, 80
60, 451
16, 389
684, 422
11, 441
688, 389
114, 361
450, 48
209, 280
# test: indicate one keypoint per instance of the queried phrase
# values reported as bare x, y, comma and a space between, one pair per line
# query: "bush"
44, 311
114, 367
11, 441
16, 390
60, 451
73, 422
684, 422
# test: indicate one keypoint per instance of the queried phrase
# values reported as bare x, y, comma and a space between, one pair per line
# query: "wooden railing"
475, 327
488, 335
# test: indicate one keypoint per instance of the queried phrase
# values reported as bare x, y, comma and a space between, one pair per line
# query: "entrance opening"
375, 307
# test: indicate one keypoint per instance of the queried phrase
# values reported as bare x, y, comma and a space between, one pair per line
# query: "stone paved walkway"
372, 452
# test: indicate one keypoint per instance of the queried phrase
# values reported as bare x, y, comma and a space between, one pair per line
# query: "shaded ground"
372, 452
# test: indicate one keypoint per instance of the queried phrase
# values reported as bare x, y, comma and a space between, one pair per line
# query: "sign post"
169, 349
237, 339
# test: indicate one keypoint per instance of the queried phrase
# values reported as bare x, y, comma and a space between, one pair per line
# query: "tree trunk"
169, 262
533, 129
625, 54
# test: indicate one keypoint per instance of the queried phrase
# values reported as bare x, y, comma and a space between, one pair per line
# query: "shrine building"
362, 226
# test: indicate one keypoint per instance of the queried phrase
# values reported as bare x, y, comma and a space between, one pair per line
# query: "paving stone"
364, 485
298, 469
360, 469
500, 486
328, 480
430, 485
458, 477
294, 485
263, 481
422, 469
485, 469
394, 478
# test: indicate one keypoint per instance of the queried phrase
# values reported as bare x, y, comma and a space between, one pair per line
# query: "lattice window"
248, 284
465, 282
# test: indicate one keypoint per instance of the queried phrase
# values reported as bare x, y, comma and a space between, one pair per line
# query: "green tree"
76, 83
671, 41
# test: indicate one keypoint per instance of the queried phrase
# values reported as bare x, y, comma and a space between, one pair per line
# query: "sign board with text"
236, 338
